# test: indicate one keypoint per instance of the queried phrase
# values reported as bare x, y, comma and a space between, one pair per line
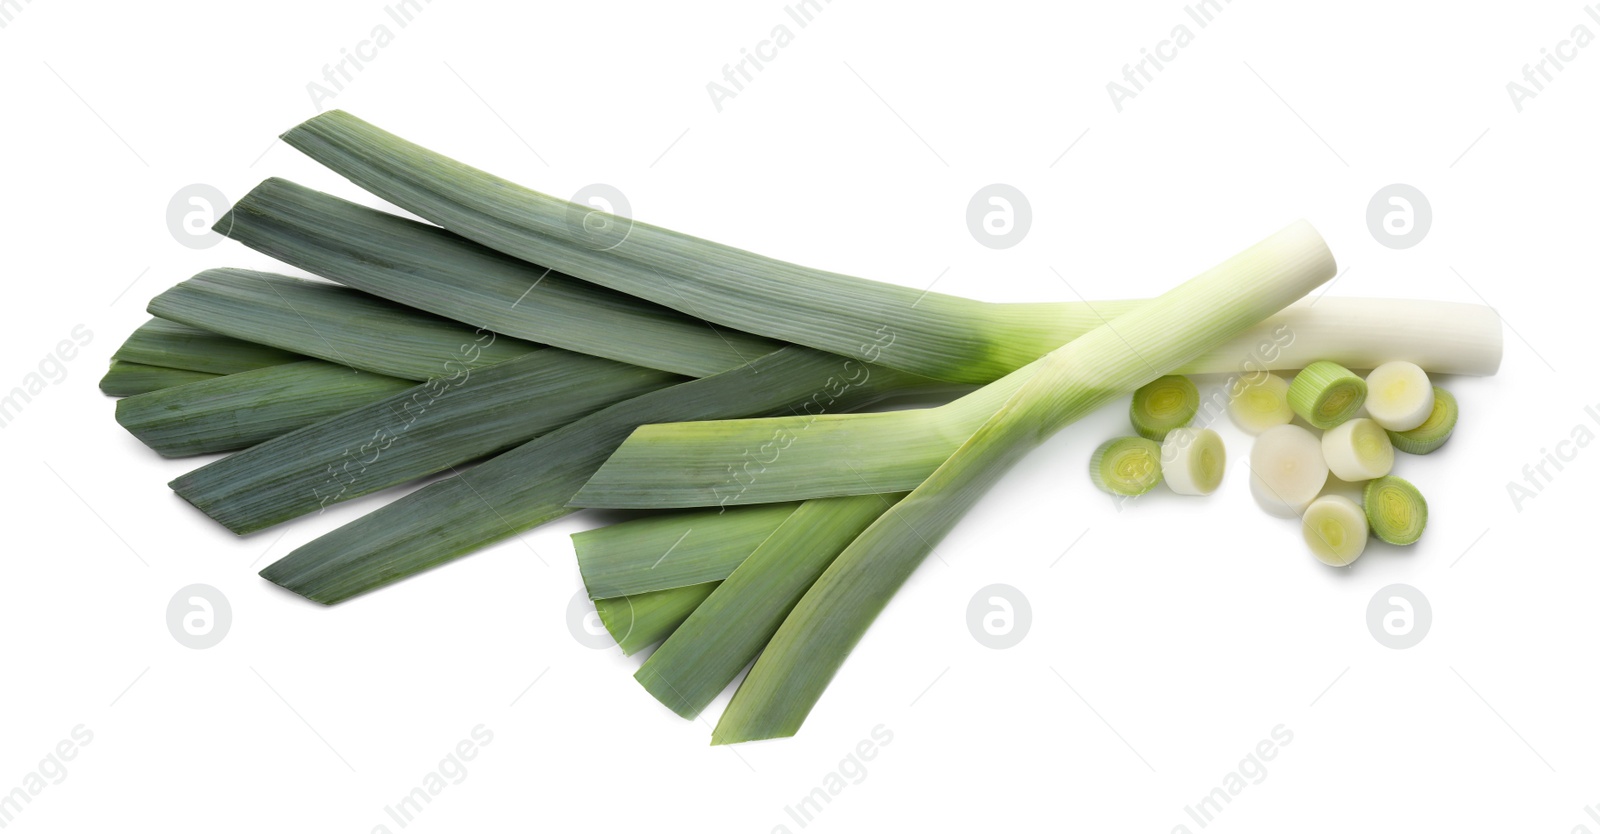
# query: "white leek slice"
1395, 509
1434, 431
1286, 470
1192, 461
1335, 529
1399, 396
1259, 401
1126, 466
1326, 394
1358, 450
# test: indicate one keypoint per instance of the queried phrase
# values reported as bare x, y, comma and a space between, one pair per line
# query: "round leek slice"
1335, 529
1434, 431
1166, 404
1326, 394
1395, 509
1192, 461
1126, 466
1358, 450
1259, 402
1399, 396
1286, 470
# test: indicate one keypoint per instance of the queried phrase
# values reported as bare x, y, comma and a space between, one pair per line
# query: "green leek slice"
1326, 394
1166, 404
1395, 509
1126, 466
1434, 431
1335, 529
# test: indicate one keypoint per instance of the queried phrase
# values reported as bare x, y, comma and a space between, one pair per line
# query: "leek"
1400, 396
431, 269
126, 379
640, 621
1395, 509
168, 344
1287, 470
1131, 350
727, 631
1335, 529
674, 550
239, 410
1358, 450
1193, 461
335, 324
424, 429
532, 484
1326, 394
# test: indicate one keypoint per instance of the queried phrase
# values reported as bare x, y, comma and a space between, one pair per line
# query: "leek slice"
533, 483
424, 429
674, 550
1258, 402
1326, 394
1335, 529
231, 412
1166, 404
1286, 470
1193, 460
335, 324
1400, 397
1126, 466
1395, 509
168, 344
1434, 431
727, 631
126, 379
431, 269
1358, 450
640, 621
811, 645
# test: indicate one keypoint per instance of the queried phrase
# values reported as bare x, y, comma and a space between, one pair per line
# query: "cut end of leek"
1399, 396
1259, 401
1434, 431
1358, 450
1193, 460
1166, 404
1326, 394
1395, 509
1335, 529
1287, 470
1126, 466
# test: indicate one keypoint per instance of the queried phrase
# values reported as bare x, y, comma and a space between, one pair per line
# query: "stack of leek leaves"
592, 361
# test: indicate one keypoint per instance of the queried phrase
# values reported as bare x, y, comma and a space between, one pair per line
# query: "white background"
1169, 640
